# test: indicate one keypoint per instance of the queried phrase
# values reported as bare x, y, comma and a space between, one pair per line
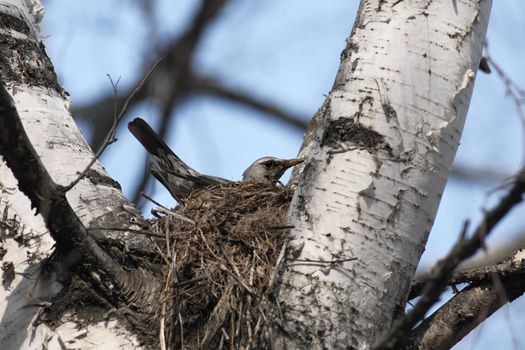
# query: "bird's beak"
288, 163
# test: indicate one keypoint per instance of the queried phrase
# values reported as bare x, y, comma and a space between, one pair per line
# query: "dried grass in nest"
219, 268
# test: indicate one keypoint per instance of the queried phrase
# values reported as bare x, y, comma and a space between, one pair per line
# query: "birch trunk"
378, 155
24, 239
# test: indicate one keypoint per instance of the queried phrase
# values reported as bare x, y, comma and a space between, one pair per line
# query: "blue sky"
288, 53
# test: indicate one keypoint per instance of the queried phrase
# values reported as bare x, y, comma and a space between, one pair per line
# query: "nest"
221, 251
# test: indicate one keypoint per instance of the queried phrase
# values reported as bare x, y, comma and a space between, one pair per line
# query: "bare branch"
512, 89
507, 267
126, 229
170, 80
110, 137
498, 252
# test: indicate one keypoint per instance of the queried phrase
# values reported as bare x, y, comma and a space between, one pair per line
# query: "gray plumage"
268, 169
181, 180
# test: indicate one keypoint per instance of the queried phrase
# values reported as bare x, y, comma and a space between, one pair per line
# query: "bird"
180, 179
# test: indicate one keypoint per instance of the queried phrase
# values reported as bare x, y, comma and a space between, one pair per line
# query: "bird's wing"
180, 186
204, 180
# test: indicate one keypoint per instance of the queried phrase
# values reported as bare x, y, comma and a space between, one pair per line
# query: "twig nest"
220, 269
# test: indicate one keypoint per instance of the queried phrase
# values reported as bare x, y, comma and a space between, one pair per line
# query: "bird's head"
268, 169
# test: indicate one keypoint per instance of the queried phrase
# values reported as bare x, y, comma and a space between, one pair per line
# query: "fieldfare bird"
181, 180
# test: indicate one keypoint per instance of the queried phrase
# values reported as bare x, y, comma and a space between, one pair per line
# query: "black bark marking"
308, 175
350, 47
389, 111
24, 60
11, 22
97, 178
8, 274
380, 5
351, 132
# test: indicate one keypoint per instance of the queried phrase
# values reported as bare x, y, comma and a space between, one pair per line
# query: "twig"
162, 331
511, 88
110, 138
162, 337
187, 282
516, 93
236, 275
175, 315
507, 268
336, 261
283, 227
463, 249
152, 200
208, 85
124, 229
176, 215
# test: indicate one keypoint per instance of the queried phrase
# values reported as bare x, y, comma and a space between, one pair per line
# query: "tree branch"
110, 137
508, 267
170, 80
467, 309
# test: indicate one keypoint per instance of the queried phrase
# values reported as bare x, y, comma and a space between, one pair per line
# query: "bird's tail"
163, 159
149, 138
169, 169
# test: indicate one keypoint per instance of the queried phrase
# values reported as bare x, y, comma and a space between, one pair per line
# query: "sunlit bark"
378, 158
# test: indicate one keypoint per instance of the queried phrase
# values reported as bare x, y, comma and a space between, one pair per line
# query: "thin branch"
512, 89
110, 138
329, 262
508, 267
124, 229
516, 93
175, 312
175, 215
498, 252
153, 201
463, 249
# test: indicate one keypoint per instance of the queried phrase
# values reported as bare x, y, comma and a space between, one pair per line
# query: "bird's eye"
268, 164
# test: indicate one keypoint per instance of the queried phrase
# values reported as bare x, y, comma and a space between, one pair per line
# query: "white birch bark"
376, 167
44, 112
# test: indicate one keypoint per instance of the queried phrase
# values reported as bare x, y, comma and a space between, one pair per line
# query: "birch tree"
378, 153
